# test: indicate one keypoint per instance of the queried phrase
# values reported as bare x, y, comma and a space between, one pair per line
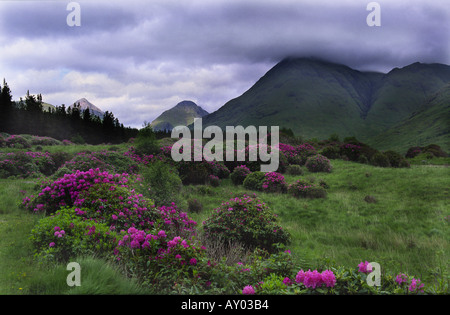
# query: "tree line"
28, 117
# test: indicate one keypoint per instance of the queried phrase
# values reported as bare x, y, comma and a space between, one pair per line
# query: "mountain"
182, 114
316, 98
84, 104
430, 124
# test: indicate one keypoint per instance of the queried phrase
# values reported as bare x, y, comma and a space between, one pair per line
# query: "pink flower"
401, 278
248, 290
193, 261
51, 244
312, 279
416, 285
328, 278
365, 267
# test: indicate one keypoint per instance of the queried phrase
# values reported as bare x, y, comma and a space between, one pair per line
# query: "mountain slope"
182, 114
430, 124
317, 98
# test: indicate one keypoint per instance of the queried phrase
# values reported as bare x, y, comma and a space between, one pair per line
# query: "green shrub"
194, 205
145, 142
331, 152
318, 163
161, 183
254, 181
239, 174
213, 180
248, 221
294, 170
59, 237
396, 159
380, 159
305, 189
193, 172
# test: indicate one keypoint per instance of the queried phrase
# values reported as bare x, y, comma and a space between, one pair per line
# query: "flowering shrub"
158, 258
239, 174
248, 221
17, 141
36, 140
110, 161
65, 191
305, 189
65, 235
274, 182
350, 150
26, 164
318, 163
314, 279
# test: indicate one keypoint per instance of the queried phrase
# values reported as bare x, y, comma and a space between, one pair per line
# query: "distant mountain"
317, 98
182, 114
430, 124
84, 104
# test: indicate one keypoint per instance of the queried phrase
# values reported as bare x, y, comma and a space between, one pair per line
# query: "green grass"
406, 230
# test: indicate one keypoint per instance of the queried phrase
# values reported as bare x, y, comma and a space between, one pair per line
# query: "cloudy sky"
138, 58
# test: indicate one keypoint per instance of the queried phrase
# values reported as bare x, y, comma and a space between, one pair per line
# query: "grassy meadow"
398, 217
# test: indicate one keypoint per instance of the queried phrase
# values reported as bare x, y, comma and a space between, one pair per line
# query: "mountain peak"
182, 114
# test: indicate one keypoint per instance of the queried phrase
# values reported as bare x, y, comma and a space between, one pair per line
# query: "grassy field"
403, 225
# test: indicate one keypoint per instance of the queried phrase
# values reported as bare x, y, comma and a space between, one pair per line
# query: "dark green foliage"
294, 170
380, 159
146, 142
396, 159
255, 180
194, 205
331, 152
161, 183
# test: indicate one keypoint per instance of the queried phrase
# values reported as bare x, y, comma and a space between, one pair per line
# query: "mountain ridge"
317, 98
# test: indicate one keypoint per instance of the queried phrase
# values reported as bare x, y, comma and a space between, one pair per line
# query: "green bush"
194, 205
161, 183
59, 237
294, 170
239, 174
248, 221
331, 152
380, 159
193, 172
318, 163
145, 142
305, 189
255, 180
396, 159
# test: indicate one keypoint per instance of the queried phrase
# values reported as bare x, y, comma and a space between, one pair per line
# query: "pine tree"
6, 107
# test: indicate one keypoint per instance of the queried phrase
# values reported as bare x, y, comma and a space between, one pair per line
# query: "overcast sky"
139, 58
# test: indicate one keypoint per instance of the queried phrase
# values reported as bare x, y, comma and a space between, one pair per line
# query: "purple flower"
248, 290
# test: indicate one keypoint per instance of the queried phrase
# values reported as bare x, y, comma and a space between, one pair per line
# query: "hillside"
182, 114
317, 98
430, 124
